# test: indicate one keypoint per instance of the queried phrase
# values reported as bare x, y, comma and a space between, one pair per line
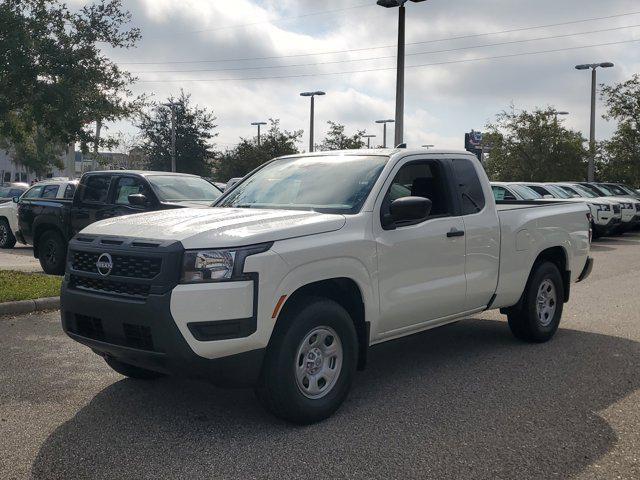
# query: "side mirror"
407, 210
138, 199
15, 199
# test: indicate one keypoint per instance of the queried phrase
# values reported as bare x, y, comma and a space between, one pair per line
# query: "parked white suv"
310, 260
627, 206
605, 214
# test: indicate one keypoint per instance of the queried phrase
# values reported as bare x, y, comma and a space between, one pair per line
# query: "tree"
54, 80
246, 156
534, 146
619, 157
194, 132
336, 139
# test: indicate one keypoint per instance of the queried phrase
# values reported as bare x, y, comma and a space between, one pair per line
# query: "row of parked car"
615, 208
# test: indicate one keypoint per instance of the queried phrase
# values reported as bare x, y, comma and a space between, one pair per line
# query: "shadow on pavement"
462, 401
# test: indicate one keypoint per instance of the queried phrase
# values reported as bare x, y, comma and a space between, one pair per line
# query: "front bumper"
139, 314
145, 334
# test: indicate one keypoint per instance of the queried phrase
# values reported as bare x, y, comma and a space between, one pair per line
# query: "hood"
218, 227
618, 200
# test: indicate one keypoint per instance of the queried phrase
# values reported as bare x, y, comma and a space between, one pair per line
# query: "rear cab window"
469, 186
69, 190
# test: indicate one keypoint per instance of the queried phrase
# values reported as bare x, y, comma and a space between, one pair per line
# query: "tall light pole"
592, 129
172, 106
368, 137
384, 130
94, 159
258, 125
312, 95
399, 65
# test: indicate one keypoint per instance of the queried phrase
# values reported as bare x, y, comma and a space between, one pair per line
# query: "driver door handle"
455, 233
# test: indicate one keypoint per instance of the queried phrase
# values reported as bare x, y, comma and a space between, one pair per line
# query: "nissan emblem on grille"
104, 264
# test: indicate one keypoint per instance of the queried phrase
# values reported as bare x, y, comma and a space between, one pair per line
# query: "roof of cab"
382, 152
144, 173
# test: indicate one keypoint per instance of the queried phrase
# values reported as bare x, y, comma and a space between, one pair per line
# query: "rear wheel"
52, 252
7, 239
131, 371
310, 363
537, 318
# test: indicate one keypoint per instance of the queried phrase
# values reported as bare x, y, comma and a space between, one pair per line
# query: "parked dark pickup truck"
49, 224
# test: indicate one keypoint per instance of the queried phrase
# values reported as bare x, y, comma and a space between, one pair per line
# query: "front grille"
616, 209
123, 265
109, 287
123, 334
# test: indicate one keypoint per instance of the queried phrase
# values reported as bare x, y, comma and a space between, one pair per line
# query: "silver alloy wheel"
318, 362
546, 302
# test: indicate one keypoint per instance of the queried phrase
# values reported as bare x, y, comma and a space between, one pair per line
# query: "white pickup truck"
308, 262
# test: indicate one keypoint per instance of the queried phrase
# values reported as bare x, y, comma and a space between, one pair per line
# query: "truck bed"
527, 228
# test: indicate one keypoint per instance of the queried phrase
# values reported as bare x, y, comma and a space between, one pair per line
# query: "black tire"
524, 320
52, 252
278, 388
7, 239
132, 371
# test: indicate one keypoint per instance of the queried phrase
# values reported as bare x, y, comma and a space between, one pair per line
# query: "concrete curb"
29, 306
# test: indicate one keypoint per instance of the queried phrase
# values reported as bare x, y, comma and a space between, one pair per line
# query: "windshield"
179, 188
583, 191
606, 190
330, 184
620, 189
558, 192
525, 192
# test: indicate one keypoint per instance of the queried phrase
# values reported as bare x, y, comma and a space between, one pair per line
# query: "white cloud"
442, 101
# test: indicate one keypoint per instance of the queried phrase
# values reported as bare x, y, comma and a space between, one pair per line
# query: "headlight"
217, 265
601, 207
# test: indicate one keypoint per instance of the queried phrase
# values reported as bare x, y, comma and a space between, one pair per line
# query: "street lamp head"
587, 66
311, 94
258, 123
395, 3
390, 120
429, 145
562, 113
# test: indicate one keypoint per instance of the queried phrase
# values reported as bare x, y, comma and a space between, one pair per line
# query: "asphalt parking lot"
19, 258
461, 401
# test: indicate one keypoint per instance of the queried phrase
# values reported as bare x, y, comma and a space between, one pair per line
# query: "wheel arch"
558, 256
347, 293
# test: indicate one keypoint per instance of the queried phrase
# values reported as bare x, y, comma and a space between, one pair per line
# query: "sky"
248, 60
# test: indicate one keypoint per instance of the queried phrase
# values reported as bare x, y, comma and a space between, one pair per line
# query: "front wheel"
310, 363
7, 239
537, 318
52, 252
